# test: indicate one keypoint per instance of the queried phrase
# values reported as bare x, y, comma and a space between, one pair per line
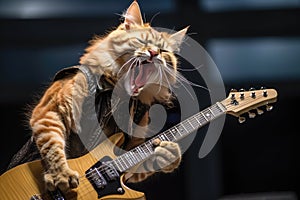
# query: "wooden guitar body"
25, 181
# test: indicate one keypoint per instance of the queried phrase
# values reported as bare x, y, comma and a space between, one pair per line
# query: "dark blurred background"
253, 43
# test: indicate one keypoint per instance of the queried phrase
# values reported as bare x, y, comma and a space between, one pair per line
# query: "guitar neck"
177, 132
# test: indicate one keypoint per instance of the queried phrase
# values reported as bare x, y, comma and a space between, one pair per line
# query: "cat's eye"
163, 50
142, 41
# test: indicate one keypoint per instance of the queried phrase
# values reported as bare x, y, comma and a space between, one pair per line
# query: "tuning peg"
232, 96
233, 90
251, 89
234, 102
259, 111
251, 114
242, 94
242, 119
269, 107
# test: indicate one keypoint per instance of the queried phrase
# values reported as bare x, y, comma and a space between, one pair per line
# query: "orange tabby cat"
137, 53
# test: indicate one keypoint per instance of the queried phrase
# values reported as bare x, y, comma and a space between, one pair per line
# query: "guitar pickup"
110, 172
96, 178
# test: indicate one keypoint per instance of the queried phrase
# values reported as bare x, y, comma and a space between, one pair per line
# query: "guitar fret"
124, 161
215, 111
186, 123
134, 158
191, 124
144, 150
204, 116
172, 135
184, 127
207, 114
120, 164
181, 129
198, 121
141, 152
177, 130
161, 137
136, 154
193, 118
168, 135
149, 149
211, 112
166, 138
220, 107
116, 165
129, 159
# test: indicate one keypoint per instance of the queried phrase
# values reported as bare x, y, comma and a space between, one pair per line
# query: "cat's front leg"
57, 172
51, 121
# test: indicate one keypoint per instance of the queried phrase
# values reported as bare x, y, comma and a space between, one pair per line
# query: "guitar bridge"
104, 178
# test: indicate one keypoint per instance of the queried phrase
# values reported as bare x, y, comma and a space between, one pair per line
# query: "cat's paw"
168, 156
64, 179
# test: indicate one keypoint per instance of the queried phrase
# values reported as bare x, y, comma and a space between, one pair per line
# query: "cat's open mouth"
139, 76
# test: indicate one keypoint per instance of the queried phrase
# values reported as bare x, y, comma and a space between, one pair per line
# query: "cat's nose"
153, 53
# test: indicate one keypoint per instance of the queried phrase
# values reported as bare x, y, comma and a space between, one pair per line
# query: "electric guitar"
102, 172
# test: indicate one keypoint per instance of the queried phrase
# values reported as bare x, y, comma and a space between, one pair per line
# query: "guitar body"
26, 180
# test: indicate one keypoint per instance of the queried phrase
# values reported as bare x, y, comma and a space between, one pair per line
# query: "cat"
145, 59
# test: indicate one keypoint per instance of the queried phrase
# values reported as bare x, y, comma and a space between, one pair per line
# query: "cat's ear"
178, 38
133, 15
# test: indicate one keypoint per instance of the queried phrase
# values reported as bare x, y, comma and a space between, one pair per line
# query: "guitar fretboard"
177, 132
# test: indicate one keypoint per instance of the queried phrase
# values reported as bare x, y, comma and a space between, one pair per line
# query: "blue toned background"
253, 43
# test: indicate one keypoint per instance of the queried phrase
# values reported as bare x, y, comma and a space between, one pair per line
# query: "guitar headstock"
240, 102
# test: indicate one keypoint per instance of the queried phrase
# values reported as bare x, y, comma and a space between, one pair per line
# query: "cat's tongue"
140, 76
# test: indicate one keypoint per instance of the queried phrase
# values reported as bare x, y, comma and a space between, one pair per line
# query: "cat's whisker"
168, 82
193, 33
162, 75
159, 75
124, 65
181, 83
155, 15
160, 78
189, 70
132, 65
182, 78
